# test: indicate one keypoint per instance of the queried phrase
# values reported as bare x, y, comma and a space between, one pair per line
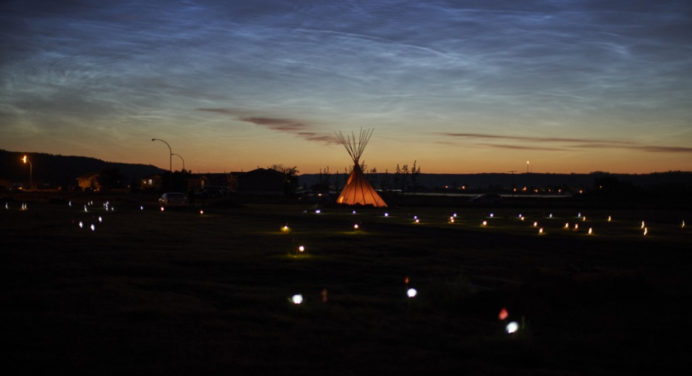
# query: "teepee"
358, 190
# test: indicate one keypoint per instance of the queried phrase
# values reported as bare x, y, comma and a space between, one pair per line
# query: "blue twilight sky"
458, 86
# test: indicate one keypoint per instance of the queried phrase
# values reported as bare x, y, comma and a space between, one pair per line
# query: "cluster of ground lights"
89, 216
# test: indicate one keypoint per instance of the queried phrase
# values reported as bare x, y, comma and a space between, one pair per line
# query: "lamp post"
26, 160
181, 158
527, 166
170, 154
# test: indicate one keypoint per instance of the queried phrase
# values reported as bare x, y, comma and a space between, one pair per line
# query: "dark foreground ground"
182, 293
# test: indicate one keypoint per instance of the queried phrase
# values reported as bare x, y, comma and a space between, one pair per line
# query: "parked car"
170, 199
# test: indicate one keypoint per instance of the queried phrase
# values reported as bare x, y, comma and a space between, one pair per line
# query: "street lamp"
170, 155
26, 160
181, 158
527, 166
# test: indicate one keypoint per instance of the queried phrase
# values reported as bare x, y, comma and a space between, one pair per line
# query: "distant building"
260, 182
88, 182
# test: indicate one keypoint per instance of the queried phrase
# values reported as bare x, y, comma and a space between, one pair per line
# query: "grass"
177, 292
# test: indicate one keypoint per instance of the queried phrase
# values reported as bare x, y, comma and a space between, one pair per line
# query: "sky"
457, 86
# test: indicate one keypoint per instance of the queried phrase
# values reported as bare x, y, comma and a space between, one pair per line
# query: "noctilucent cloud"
458, 86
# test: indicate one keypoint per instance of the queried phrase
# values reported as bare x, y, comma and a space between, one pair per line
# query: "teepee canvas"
358, 190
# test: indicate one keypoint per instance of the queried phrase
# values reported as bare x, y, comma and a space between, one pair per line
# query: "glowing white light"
646, 230
355, 227
566, 225
550, 215
610, 218
301, 248
162, 208
643, 225
92, 227
417, 220
100, 219
451, 219
576, 226
353, 212
520, 215
81, 224
318, 211
590, 231
141, 207
454, 215
386, 214
411, 293
85, 209
579, 215
69, 203
492, 215
201, 211
683, 224
285, 229
415, 217
535, 224
583, 219
7, 206
512, 327
297, 299
540, 231
23, 207
484, 223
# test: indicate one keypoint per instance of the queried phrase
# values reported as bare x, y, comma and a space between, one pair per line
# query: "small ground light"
512, 327
540, 231
643, 225
683, 224
297, 299
301, 248
141, 207
454, 215
535, 224
92, 227
324, 295
503, 314
415, 217
85, 209
386, 214
353, 212
417, 220
579, 215
491, 215
355, 226
590, 231
69, 203
407, 280
81, 224
201, 211
318, 211
411, 293
484, 223
610, 218
451, 219
23, 207
285, 229
646, 231
100, 219
583, 219
162, 208
566, 225
7, 206
576, 226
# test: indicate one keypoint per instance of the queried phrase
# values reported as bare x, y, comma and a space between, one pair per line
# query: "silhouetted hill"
63, 170
497, 181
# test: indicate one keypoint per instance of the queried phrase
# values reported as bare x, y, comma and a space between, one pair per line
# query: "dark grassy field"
176, 292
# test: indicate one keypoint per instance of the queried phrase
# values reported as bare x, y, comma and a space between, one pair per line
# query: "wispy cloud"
286, 125
566, 143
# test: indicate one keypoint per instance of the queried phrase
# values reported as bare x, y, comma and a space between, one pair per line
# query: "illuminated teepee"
358, 190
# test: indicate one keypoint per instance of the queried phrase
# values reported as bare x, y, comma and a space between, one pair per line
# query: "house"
89, 182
